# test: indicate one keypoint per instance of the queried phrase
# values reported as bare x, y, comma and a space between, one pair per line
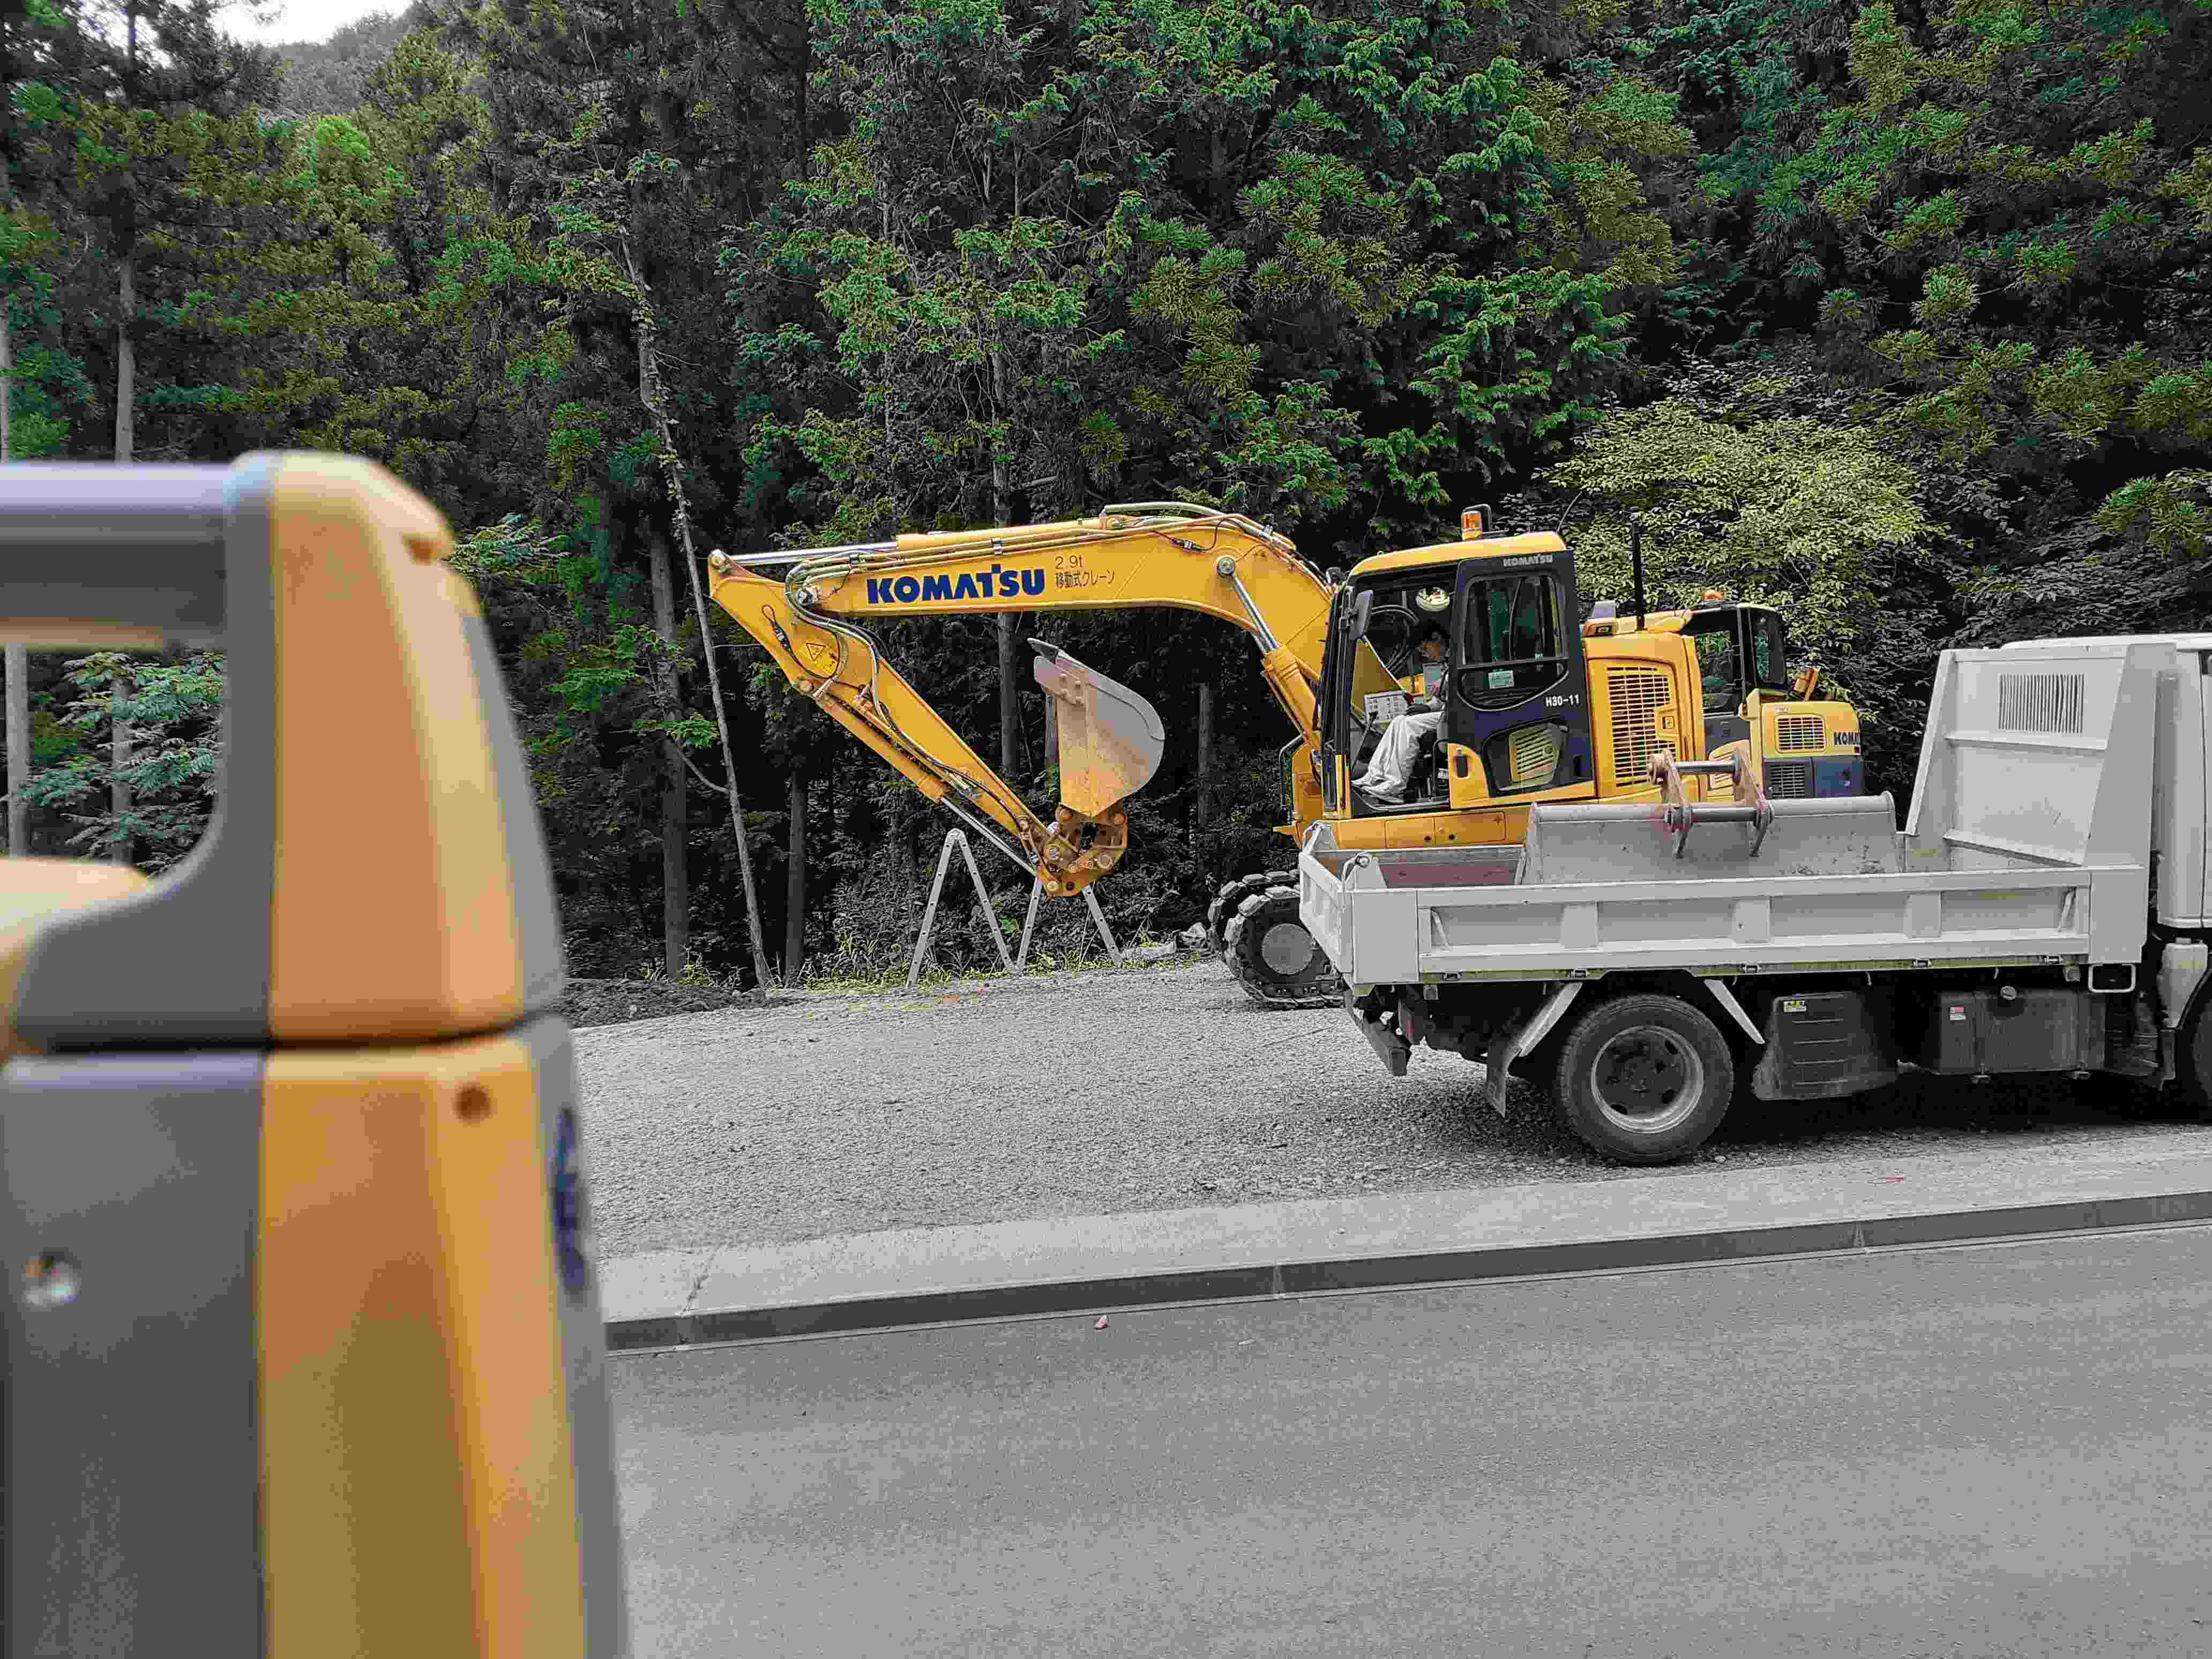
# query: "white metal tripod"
1015, 963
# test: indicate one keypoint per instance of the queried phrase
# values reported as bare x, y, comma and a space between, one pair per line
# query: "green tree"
41, 49
331, 77
1327, 269
174, 708
618, 137
1811, 513
2029, 189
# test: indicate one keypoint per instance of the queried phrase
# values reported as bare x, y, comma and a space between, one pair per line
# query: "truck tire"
1223, 910
1644, 1078
2191, 1089
1278, 963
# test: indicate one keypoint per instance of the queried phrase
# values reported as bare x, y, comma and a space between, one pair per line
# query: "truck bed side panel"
1727, 925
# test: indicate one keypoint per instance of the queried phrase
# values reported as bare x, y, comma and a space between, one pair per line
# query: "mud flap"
1509, 1046
1110, 739
1392, 1050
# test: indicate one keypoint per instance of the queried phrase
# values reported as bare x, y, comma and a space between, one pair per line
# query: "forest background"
1898, 313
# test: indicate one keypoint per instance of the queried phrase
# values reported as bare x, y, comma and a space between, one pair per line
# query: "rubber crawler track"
1318, 987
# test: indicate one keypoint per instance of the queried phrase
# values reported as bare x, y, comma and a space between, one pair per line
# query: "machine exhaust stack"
1635, 564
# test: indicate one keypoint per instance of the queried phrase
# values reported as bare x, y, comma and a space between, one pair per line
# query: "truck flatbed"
1420, 922
2016, 851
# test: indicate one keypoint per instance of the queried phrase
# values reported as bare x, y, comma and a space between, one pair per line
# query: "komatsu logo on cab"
999, 582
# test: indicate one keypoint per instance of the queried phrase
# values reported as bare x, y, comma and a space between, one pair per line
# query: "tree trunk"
671, 471
124, 228
1009, 707
794, 924
1205, 798
675, 815
126, 357
119, 789
18, 656
19, 750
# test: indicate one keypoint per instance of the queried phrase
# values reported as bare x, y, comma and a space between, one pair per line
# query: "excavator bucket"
1110, 739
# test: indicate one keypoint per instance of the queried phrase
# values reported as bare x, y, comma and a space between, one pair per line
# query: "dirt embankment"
614, 1001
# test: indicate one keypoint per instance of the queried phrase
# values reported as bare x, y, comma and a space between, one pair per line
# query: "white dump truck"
2043, 910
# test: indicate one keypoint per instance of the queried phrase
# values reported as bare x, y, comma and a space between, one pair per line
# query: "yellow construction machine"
305, 1356
1536, 703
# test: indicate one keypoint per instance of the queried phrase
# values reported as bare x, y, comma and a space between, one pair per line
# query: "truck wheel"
1643, 1080
2192, 1057
1275, 958
1223, 910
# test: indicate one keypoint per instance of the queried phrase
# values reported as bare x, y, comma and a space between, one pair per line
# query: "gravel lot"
1144, 1089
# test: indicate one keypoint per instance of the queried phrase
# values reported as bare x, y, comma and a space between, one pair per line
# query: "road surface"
1982, 1450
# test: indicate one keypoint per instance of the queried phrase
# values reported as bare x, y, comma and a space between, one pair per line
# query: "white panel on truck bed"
2181, 772
1755, 925
1854, 835
2039, 757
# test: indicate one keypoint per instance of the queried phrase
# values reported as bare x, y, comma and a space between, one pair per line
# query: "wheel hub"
1287, 948
1647, 1080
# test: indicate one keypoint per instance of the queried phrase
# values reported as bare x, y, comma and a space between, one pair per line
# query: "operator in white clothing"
1391, 768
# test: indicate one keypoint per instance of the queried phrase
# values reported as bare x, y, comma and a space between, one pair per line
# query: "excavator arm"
812, 609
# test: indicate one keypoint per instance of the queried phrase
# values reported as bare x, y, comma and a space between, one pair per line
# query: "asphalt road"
1986, 1451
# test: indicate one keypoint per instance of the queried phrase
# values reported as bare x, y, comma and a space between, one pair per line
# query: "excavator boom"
812, 609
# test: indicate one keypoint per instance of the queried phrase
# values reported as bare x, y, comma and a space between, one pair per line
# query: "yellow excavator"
1535, 703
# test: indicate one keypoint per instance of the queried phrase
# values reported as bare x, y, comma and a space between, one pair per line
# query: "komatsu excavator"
1537, 704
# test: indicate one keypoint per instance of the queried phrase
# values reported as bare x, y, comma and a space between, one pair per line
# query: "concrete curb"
1091, 1264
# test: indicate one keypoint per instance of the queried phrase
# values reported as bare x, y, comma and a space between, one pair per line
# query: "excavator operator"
1391, 768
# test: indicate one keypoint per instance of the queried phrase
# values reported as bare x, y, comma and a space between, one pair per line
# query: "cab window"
1512, 619
1719, 674
1716, 638
1510, 635
1769, 665
1384, 667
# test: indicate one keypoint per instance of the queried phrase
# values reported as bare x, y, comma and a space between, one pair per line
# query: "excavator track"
1275, 958
1223, 910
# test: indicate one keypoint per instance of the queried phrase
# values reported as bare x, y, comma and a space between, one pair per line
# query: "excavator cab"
1740, 650
1401, 651
1518, 699
1513, 721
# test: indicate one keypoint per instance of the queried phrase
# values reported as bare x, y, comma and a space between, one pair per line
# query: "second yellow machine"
1533, 703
